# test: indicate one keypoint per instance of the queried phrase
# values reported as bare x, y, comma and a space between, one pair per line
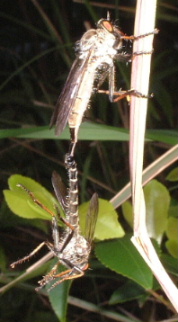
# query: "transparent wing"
69, 93
91, 219
59, 189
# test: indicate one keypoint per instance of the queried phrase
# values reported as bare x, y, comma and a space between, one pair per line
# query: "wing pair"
92, 214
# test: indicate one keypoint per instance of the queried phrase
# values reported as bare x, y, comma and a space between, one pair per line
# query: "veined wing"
68, 95
91, 219
59, 189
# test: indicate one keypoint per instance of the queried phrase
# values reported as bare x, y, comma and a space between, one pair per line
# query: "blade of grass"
144, 22
53, 32
149, 173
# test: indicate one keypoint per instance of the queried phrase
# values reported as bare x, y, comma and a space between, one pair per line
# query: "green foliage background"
37, 49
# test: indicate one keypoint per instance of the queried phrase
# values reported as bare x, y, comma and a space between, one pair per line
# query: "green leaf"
127, 292
173, 175
173, 209
89, 131
122, 257
172, 247
170, 263
157, 200
22, 204
107, 225
166, 136
127, 210
58, 296
172, 234
172, 228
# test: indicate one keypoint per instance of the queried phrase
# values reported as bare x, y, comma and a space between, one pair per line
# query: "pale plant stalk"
156, 167
145, 20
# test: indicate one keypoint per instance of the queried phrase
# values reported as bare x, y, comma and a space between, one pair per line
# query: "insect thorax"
77, 251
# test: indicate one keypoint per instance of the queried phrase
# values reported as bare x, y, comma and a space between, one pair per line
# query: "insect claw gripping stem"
139, 53
121, 94
154, 32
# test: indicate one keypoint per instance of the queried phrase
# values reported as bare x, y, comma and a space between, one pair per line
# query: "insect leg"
32, 196
69, 274
22, 260
138, 53
116, 96
55, 233
155, 31
130, 92
122, 94
66, 242
48, 277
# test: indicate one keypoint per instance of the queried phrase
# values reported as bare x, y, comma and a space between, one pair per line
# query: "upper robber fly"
96, 52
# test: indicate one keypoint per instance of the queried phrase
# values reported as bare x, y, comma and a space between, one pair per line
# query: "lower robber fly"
96, 52
71, 248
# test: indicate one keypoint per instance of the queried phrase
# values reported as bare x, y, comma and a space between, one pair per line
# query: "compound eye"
107, 25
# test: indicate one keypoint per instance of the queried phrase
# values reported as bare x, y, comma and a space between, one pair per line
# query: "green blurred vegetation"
36, 52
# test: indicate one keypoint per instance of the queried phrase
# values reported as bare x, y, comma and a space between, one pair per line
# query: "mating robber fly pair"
71, 248
96, 52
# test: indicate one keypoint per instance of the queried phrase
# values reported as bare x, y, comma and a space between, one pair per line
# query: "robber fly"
71, 248
96, 52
